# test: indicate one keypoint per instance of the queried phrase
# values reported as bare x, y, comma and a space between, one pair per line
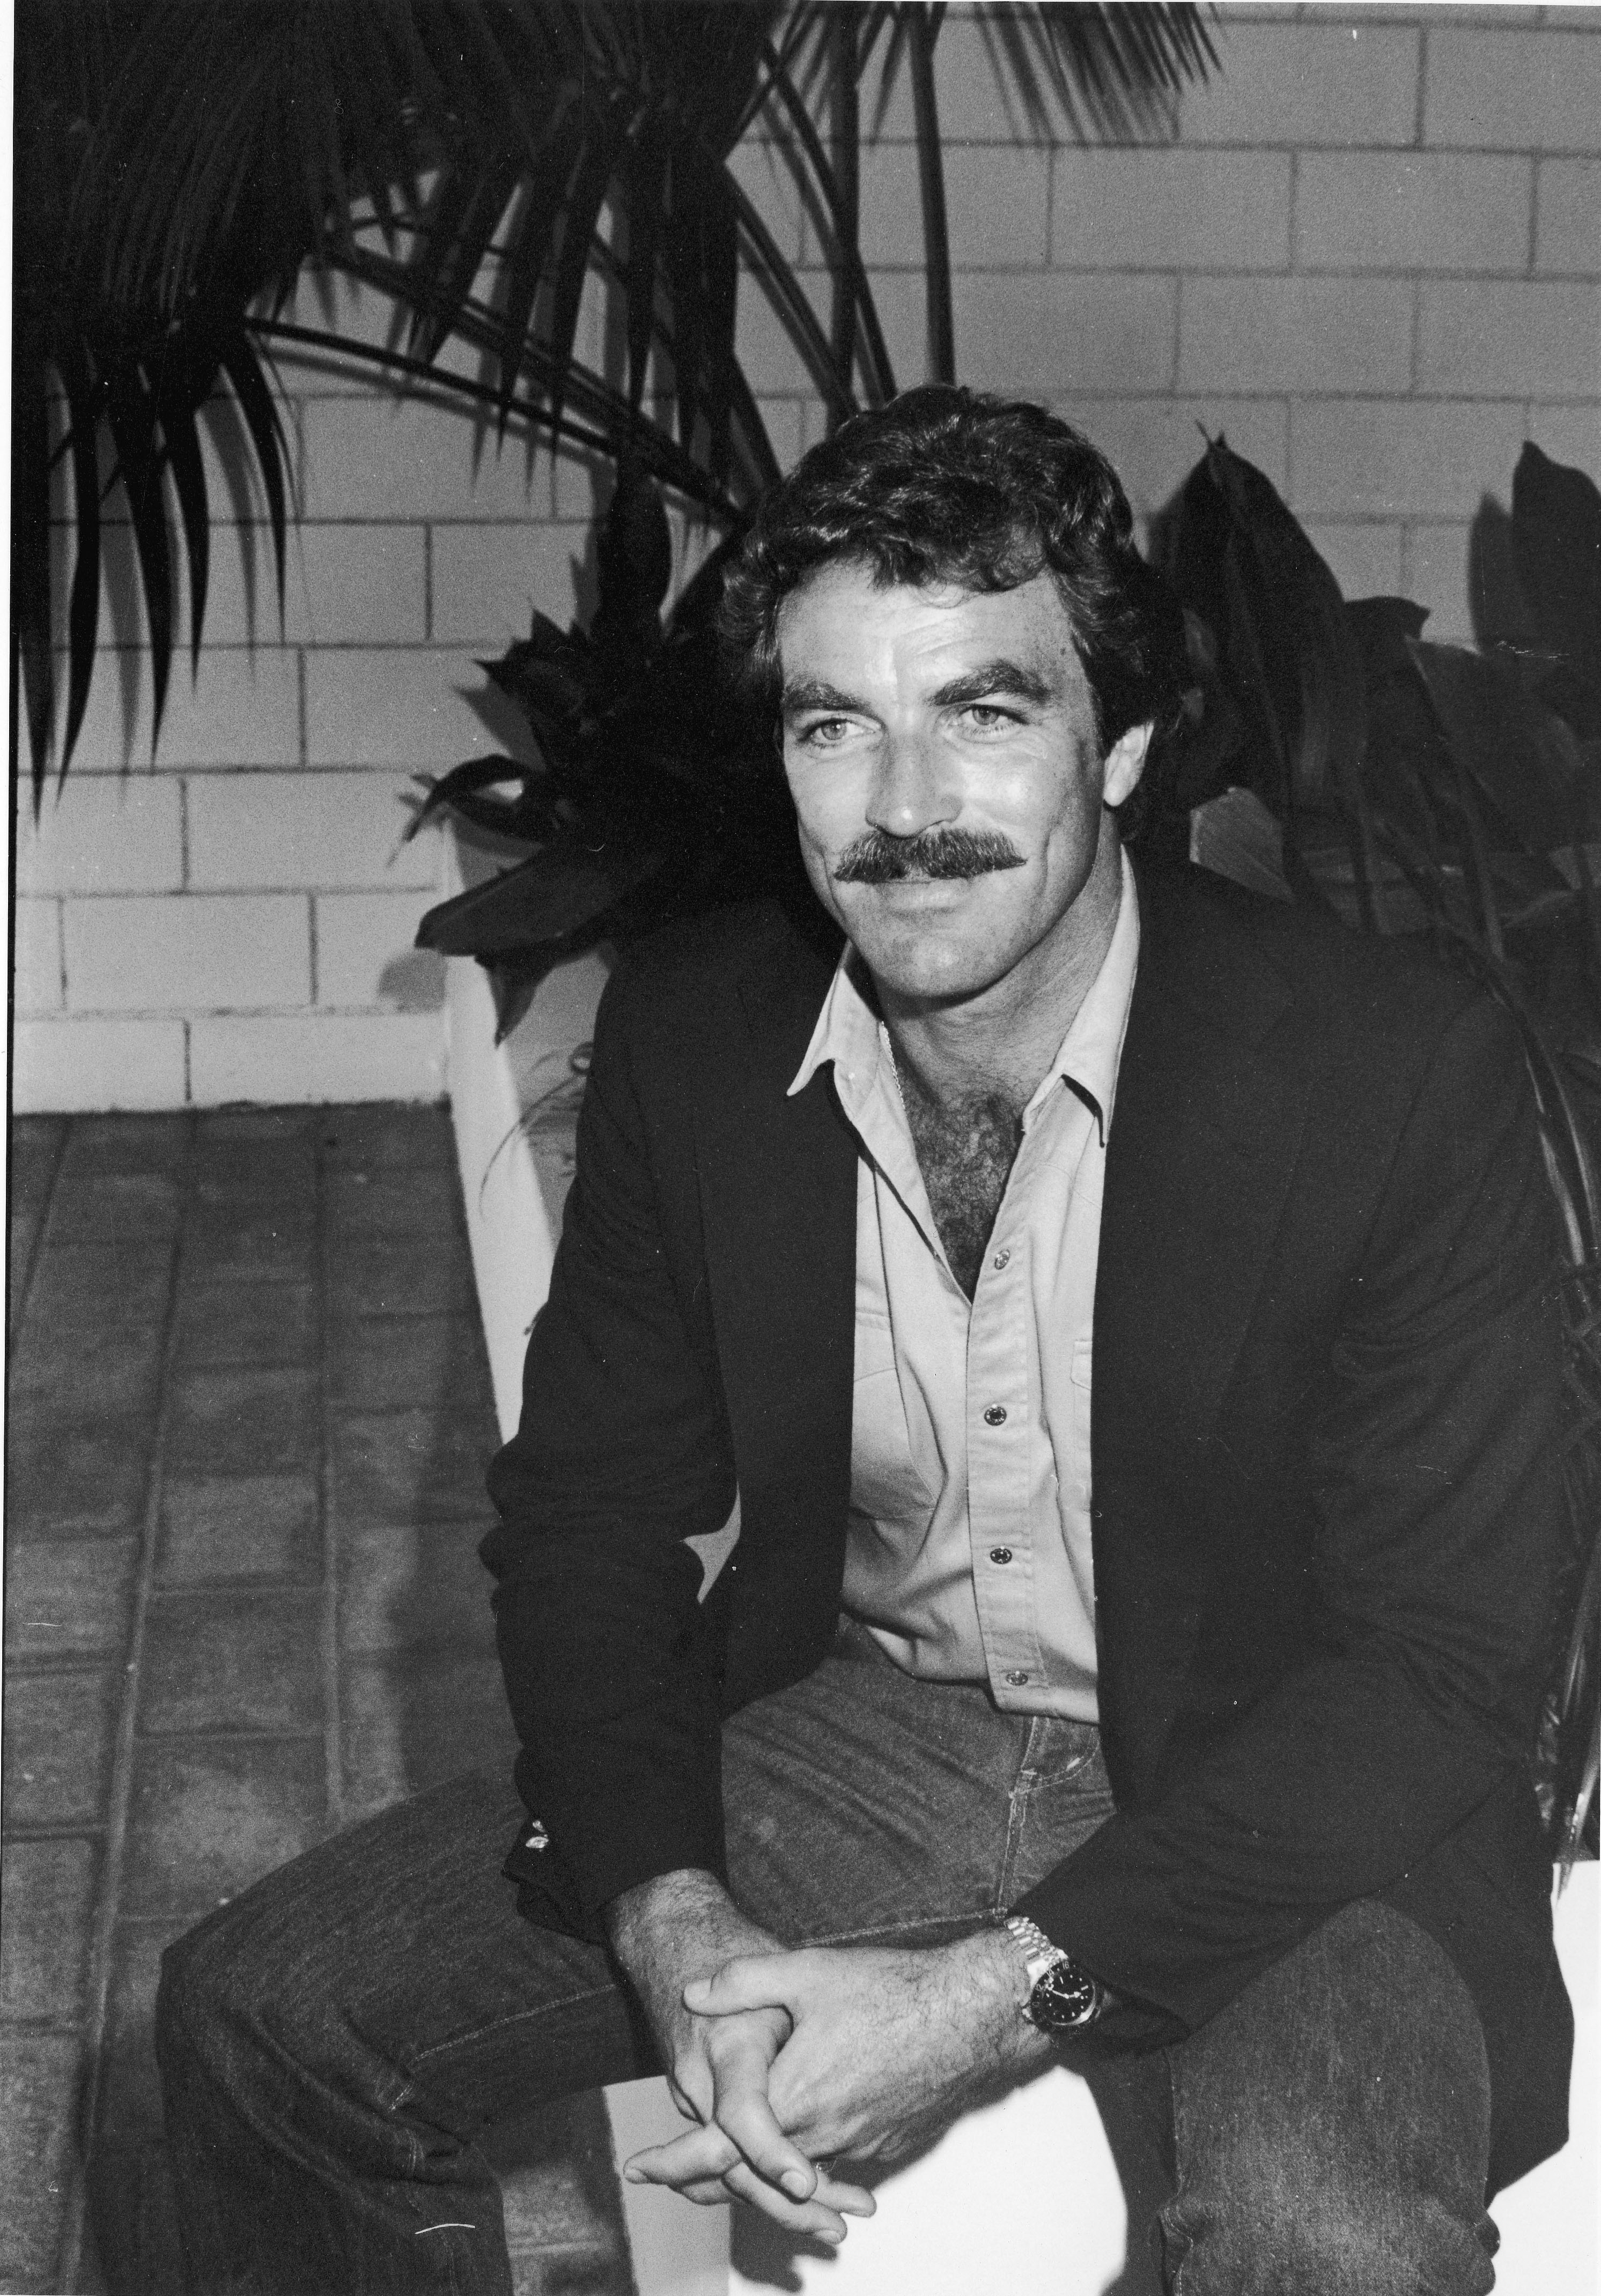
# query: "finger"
708, 2193
813, 2216
685, 2166
753, 1981
713, 2194
743, 2111
851, 2200
698, 2155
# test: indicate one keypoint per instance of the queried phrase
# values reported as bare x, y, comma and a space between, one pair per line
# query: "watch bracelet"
1043, 1956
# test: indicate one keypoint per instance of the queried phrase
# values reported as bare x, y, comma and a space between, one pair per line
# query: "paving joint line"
71, 2253
327, 1507
35, 1249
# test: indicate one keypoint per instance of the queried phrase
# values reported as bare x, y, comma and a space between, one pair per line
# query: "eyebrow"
817, 693
999, 675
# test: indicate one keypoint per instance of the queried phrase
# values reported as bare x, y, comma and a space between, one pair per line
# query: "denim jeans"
335, 2043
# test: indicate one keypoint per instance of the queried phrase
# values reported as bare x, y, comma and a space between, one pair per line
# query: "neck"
1002, 1039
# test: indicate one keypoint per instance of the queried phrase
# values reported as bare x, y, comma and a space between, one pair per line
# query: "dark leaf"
553, 894
1501, 613
83, 611
636, 568
1381, 627
180, 441
1295, 618
131, 416
457, 235
464, 791
1556, 531
1206, 752
789, 299
644, 177
549, 683
722, 381
243, 365
31, 559
531, 240
1521, 756
582, 213
514, 983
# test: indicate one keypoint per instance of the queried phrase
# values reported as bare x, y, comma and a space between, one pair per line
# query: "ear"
1125, 763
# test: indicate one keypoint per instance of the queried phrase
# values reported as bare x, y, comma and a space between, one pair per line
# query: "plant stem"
923, 27
880, 374
1490, 915
1591, 901
845, 126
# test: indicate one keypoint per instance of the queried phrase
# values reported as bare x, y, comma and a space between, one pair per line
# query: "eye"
824, 733
986, 717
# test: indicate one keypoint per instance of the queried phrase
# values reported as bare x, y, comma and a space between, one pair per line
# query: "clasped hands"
786, 2059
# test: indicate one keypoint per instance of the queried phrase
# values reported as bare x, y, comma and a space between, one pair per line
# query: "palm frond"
482, 160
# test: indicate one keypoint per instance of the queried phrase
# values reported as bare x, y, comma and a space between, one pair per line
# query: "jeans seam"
512, 2017
891, 1930
1018, 1810
1160, 2229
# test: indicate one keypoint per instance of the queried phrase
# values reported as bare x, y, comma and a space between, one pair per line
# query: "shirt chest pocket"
885, 1480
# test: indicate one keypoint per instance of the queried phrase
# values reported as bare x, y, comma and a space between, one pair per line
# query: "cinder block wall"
1370, 252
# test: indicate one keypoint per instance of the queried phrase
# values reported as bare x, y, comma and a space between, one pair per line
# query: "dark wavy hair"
950, 485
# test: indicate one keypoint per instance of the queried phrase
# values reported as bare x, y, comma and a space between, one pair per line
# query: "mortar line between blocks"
327, 1509
1420, 99
120, 1794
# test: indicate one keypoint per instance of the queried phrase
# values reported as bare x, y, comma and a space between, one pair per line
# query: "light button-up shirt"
968, 1553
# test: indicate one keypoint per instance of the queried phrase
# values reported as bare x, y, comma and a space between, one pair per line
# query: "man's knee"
1280, 2225
209, 2000
237, 2002
1332, 2126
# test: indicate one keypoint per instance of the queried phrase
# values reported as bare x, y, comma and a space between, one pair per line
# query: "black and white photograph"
802, 1447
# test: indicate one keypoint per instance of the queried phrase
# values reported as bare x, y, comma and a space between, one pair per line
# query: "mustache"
876, 859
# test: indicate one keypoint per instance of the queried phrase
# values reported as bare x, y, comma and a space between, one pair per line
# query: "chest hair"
965, 1149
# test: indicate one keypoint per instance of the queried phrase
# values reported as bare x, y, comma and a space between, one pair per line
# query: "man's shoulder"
685, 975
1337, 982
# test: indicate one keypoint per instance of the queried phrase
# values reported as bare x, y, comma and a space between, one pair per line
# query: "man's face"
941, 748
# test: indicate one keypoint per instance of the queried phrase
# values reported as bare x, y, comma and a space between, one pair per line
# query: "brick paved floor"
249, 1415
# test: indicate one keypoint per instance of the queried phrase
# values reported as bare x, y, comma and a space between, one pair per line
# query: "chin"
929, 972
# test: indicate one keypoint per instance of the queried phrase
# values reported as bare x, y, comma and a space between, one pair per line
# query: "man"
1183, 1733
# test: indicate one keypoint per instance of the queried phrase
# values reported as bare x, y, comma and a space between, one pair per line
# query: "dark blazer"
1325, 1445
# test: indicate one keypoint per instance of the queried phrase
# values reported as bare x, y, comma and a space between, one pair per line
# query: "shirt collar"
847, 1030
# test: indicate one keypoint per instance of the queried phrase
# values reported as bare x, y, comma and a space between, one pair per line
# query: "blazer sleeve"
1435, 1471
611, 1664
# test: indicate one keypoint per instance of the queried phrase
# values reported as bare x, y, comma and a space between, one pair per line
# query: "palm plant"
478, 161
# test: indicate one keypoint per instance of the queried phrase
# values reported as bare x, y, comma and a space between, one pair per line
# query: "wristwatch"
1062, 1997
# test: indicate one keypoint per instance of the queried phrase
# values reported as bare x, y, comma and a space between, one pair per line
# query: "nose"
913, 787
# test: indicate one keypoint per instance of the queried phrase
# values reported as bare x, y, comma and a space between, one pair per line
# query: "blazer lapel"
778, 1203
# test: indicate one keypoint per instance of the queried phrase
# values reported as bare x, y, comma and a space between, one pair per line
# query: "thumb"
754, 1981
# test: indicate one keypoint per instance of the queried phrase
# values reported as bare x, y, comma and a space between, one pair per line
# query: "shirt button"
996, 1416
1001, 1554
1017, 1680
1000, 1260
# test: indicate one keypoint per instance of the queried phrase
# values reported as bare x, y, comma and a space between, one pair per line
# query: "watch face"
1063, 1999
